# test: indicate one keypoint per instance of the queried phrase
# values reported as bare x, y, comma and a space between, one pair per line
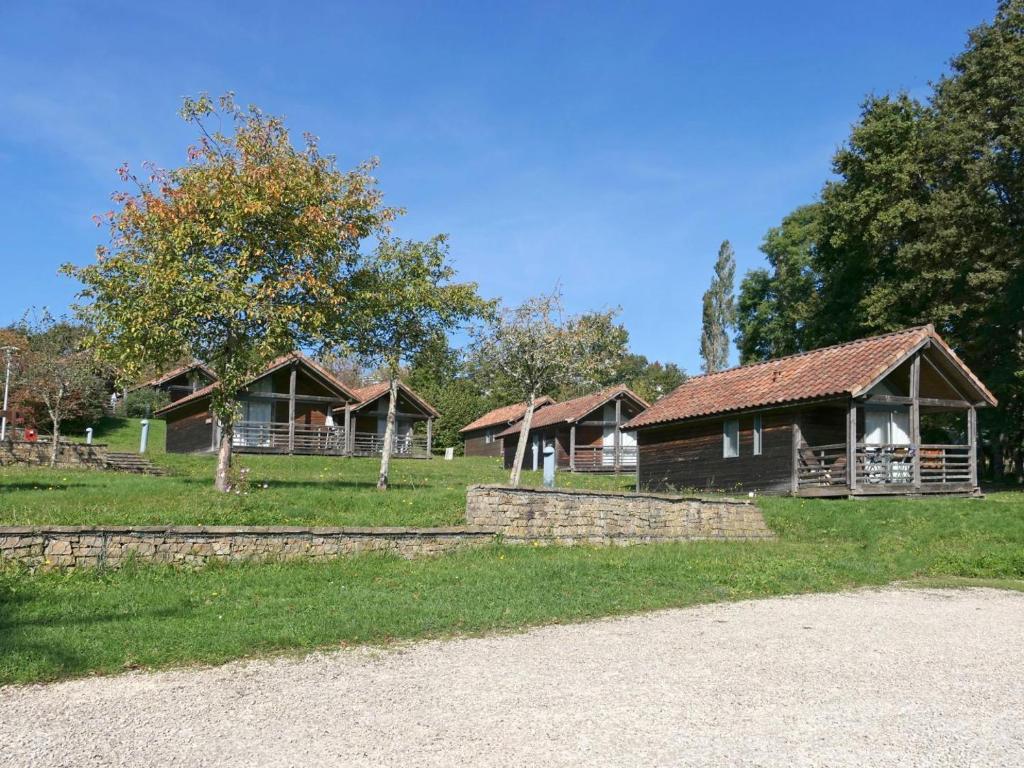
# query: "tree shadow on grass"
256, 484
40, 486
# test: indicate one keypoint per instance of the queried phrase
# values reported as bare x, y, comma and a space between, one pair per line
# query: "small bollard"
549, 466
449, 454
88, 435
144, 438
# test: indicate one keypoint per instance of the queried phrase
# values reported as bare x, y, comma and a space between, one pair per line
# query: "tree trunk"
55, 445
389, 436
222, 480
524, 438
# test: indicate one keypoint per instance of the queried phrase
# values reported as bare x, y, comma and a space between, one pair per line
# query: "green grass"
123, 434
300, 490
55, 625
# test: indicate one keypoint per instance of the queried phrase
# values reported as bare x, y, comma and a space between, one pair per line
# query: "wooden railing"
601, 458
406, 446
881, 465
275, 437
821, 465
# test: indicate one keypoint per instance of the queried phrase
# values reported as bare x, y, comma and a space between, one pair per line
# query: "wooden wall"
189, 429
689, 456
475, 443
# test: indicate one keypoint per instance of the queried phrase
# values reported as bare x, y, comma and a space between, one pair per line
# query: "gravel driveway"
887, 677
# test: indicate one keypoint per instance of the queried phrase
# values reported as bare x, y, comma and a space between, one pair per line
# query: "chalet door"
535, 450
254, 431
608, 436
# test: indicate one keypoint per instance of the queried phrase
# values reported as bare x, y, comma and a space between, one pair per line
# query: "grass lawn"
301, 490
55, 625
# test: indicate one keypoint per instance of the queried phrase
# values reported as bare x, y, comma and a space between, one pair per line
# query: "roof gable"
505, 415
571, 411
367, 395
311, 367
848, 369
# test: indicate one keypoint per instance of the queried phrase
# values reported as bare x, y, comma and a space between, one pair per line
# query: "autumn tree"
534, 349
405, 298
718, 312
57, 374
243, 253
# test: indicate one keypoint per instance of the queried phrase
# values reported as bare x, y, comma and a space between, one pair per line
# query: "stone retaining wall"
597, 517
91, 546
38, 453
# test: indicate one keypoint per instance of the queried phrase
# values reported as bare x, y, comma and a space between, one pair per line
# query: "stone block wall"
76, 455
110, 546
597, 517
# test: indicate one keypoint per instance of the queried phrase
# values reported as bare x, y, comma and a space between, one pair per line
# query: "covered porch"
912, 432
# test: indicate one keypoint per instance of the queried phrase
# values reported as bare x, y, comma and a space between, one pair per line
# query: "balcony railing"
275, 437
405, 446
884, 465
602, 458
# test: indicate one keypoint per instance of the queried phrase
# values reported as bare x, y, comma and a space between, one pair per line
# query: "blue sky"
609, 147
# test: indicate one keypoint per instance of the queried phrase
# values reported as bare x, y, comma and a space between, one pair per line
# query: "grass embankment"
300, 490
65, 625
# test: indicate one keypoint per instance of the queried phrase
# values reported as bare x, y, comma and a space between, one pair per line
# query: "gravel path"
887, 677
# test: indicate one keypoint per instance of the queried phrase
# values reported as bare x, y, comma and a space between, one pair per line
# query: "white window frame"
758, 435
731, 428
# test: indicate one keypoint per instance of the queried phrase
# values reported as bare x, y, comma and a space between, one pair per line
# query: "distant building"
481, 437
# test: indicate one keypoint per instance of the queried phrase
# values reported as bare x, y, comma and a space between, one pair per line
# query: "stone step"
123, 461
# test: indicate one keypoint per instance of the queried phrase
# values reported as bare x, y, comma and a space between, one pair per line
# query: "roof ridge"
927, 327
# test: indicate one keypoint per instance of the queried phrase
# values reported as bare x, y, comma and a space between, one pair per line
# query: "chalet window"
489, 436
730, 439
758, 435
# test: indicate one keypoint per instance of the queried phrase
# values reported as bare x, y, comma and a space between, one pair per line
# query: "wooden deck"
882, 470
322, 440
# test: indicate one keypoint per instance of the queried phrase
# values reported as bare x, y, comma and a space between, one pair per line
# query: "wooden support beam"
430, 437
915, 417
940, 402
572, 448
292, 377
348, 429
617, 436
851, 447
275, 396
972, 441
795, 478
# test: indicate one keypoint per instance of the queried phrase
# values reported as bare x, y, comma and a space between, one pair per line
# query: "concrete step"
123, 461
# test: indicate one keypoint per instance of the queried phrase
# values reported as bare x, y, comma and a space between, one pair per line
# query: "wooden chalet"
295, 406
481, 437
892, 414
586, 432
180, 382
414, 426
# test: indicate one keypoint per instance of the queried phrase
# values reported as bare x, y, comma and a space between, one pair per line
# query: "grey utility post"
88, 435
144, 438
549, 466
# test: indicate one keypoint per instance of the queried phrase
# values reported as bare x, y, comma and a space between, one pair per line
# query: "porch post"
572, 448
851, 446
618, 434
795, 479
348, 428
291, 408
972, 442
430, 436
915, 417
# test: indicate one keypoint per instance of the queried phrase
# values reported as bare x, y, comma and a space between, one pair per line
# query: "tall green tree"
405, 300
718, 312
776, 308
245, 252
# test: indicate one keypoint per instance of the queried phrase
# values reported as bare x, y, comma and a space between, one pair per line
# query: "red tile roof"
844, 369
505, 415
325, 374
369, 393
574, 410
